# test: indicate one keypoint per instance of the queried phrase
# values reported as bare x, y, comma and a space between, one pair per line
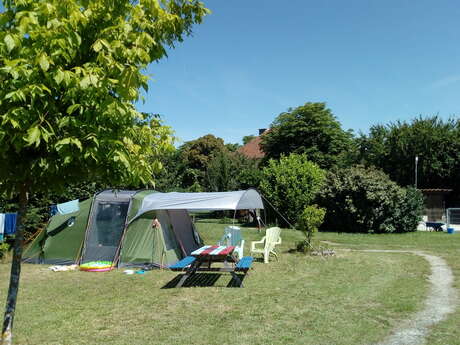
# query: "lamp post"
416, 164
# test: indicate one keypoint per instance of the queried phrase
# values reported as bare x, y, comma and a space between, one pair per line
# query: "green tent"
131, 227
108, 227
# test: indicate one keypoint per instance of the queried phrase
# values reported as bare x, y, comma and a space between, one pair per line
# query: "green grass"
444, 245
353, 298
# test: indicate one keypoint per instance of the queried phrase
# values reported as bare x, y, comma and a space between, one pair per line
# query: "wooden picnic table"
203, 258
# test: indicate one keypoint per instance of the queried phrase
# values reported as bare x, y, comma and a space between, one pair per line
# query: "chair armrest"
221, 242
279, 241
253, 243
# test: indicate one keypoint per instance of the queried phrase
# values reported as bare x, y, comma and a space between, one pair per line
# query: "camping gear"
232, 237
68, 207
130, 228
97, 266
270, 240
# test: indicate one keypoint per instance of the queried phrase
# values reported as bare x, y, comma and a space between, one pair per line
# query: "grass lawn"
353, 298
444, 245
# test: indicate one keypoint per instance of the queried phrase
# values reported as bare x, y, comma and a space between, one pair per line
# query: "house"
252, 149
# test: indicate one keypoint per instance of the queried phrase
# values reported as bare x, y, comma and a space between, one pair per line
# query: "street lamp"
416, 163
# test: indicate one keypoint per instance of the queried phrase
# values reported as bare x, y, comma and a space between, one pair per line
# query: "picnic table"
203, 258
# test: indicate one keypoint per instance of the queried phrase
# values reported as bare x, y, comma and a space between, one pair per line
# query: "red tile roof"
252, 149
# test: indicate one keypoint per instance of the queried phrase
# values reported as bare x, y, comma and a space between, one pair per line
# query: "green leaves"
366, 200
69, 72
9, 41
69, 141
291, 184
311, 129
44, 63
72, 108
33, 136
59, 76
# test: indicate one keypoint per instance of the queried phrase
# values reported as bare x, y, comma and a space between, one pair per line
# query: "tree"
311, 129
291, 184
248, 138
194, 157
231, 171
309, 221
393, 148
70, 72
360, 199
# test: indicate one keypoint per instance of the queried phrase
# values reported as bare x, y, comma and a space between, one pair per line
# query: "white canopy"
238, 200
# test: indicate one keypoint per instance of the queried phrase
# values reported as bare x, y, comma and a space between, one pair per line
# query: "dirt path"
441, 300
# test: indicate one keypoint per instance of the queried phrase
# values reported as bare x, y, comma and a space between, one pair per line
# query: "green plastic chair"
269, 241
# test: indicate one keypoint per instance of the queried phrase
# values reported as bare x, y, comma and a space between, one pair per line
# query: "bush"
366, 200
309, 221
291, 184
4, 247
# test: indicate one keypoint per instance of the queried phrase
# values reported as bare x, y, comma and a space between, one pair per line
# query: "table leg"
237, 279
190, 271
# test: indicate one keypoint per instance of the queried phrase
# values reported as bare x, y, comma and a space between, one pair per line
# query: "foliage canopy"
291, 184
360, 199
311, 129
71, 71
393, 148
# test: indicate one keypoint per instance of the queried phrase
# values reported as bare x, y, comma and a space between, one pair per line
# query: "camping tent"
118, 226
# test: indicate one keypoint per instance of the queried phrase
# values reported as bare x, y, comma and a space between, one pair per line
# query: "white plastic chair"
232, 237
270, 240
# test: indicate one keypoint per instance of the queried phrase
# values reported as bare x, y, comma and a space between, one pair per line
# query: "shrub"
4, 247
362, 199
291, 184
309, 221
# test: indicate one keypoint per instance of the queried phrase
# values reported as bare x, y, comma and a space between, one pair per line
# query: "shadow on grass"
202, 280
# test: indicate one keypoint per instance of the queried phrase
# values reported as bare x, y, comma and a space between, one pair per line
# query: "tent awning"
238, 200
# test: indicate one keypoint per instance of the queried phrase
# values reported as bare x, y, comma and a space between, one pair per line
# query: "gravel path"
441, 300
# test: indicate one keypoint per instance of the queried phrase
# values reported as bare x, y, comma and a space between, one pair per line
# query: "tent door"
105, 230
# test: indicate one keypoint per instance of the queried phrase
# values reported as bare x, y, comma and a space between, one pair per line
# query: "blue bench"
182, 264
244, 264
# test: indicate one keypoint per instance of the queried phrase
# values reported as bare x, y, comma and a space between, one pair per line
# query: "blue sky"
372, 61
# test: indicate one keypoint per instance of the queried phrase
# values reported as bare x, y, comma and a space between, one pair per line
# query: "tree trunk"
7, 330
